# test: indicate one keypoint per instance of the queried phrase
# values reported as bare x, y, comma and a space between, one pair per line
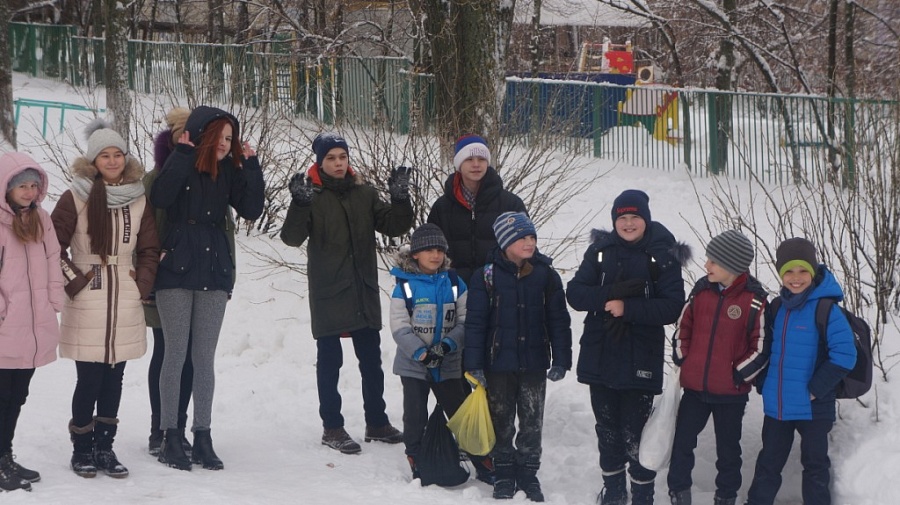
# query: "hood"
825, 285
657, 239
407, 267
10, 165
134, 171
200, 118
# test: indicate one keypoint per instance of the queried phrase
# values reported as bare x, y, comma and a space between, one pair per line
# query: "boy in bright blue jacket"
428, 315
517, 327
799, 387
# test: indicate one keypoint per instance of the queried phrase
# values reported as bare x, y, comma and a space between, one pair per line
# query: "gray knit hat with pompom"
101, 135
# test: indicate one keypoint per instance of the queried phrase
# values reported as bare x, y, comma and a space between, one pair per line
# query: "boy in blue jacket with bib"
803, 373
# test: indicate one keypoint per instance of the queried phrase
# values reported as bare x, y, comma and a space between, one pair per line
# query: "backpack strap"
489, 278
407, 294
823, 311
454, 283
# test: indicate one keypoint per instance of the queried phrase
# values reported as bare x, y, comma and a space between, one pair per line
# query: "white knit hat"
100, 136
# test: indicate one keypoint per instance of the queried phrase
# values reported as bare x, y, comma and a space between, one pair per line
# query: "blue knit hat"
469, 146
326, 141
511, 226
631, 201
27, 175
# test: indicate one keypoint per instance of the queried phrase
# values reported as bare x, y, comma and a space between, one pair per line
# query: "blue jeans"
330, 358
777, 438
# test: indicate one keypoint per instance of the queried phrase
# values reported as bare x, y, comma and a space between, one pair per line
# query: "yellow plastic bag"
472, 425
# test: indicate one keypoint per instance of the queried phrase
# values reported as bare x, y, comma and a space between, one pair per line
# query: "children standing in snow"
31, 293
799, 387
517, 325
428, 315
719, 346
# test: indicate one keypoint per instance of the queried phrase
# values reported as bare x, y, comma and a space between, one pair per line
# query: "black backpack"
859, 380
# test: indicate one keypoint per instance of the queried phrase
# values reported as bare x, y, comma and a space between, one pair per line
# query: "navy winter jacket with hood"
196, 252
632, 359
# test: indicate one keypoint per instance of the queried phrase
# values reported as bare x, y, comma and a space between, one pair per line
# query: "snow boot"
182, 425
9, 479
504, 480
387, 434
526, 480
484, 468
203, 453
642, 493
339, 439
82, 462
104, 457
172, 451
8, 462
156, 436
681, 497
718, 500
614, 491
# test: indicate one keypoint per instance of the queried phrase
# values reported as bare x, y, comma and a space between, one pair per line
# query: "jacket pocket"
332, 290
176, 257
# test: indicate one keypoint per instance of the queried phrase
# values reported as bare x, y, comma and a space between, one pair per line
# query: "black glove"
615, 327
434, 356
398, 184
556, 373
301, 189
627, 289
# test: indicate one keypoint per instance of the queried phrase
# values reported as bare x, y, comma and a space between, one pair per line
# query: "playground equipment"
46, 106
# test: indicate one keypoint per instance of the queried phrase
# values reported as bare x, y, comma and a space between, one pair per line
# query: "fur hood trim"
680, 251
404, 261
133, 172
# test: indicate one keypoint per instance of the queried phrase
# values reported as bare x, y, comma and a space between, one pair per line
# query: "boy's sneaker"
8, 463
504, 489
387, 434
338, 439
83, 464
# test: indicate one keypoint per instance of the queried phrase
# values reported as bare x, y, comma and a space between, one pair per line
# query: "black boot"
104, 457
156, 435
504, 480
10, 480
172, 451
642, 493
182, 425
718, 500
614, 491
681, 497
526, 480
83, 450
203, 451
484, 468
8, 462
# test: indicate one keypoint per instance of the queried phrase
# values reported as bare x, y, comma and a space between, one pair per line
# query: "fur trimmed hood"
133, 172
404, 261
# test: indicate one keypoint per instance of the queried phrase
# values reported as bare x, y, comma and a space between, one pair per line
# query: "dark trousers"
777, 438
693, 414
521, 394
449, 394
330, 358
187, 378
14, 384
621, 415
98, 384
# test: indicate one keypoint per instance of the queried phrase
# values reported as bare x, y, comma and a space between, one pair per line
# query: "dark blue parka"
522, 324
196, 255
634, 358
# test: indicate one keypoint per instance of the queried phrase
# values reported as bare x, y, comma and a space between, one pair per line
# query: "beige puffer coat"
103, 318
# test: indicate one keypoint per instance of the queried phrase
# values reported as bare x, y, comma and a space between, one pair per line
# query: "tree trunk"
850, 116
831, 75
7, 115
725, 82
118, 96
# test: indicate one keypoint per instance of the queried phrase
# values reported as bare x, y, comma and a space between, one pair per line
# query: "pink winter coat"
31, 282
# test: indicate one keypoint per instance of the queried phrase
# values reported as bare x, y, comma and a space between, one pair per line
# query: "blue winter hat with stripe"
511, 226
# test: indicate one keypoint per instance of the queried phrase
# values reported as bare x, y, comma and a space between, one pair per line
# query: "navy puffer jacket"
634, 358
196, 254
522, 324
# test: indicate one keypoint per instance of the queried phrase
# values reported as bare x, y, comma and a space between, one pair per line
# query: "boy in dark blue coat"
517, 324
630, 285
800, 383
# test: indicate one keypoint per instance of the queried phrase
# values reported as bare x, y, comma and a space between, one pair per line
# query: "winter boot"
83, 450
156, 436
172, 451
526, 480
338, 439
681, 497
642, 493
203, 452
413, 467
387, 434
718, 500
182, 425
484, 468
9, 479
8, 462
104, 457
504, 480
614, 491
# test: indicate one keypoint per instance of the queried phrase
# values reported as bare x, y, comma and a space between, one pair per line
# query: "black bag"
438, 459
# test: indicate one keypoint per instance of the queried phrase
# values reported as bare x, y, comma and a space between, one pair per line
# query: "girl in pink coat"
31, 293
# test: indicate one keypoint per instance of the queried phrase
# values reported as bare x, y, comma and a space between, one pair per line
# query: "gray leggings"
184, 312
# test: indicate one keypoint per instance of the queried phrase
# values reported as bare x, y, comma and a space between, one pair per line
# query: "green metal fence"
777, 138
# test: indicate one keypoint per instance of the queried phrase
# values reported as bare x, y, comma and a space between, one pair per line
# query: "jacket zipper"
784, 325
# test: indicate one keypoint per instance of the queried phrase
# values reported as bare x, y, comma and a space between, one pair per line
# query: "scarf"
117, 195
339, 186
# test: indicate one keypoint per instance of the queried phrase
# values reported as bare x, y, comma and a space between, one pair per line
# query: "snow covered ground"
266, 426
